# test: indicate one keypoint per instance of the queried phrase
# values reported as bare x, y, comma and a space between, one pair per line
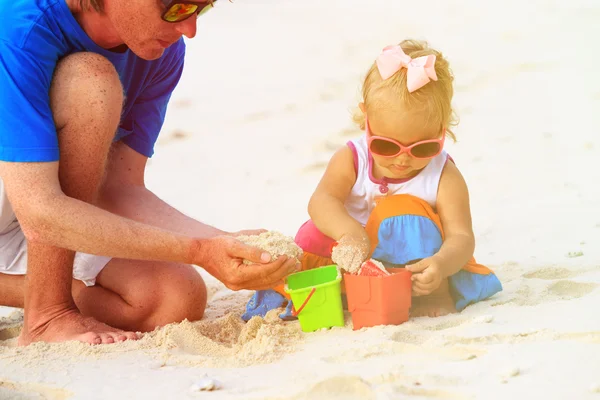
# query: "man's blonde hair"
433, 100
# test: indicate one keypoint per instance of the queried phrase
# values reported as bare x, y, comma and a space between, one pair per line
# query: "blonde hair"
434, 99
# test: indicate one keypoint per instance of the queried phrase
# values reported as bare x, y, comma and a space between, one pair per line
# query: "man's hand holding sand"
226, 263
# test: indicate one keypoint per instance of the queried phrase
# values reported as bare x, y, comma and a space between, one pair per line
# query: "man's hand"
427, 276
351, 251
223, 257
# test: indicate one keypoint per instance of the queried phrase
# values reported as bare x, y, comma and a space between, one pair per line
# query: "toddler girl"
394, 194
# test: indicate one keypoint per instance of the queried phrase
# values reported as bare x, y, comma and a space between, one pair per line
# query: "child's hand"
351, 251
427, 276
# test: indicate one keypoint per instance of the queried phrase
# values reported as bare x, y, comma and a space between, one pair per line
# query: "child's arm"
328, 213
454, 209
459, 241
326, 206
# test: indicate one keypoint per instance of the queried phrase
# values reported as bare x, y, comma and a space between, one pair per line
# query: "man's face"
140, 26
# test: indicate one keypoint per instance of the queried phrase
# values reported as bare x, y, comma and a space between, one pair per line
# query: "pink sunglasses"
387, 147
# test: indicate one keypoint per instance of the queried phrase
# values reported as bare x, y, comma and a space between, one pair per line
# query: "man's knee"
185, 291
86, 85
179, 294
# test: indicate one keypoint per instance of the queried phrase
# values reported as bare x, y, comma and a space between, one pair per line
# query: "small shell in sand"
205, 384
484, 319
273, 242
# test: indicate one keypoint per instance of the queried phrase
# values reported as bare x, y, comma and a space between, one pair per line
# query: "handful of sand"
273, 242
350, 256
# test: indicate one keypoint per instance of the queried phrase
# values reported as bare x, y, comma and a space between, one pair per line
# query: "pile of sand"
226, 341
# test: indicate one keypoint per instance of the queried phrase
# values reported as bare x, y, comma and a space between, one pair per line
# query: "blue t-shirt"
34, 36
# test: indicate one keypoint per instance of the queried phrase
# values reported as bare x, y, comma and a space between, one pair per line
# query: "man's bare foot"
69, 324
436, 304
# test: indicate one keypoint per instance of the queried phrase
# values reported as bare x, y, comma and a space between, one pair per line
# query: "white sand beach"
265, 100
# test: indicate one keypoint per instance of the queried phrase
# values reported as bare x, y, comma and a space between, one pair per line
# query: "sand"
350, 256
275, 243
265, 100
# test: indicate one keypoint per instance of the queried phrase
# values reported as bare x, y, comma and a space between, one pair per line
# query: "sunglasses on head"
388, 147
179, 10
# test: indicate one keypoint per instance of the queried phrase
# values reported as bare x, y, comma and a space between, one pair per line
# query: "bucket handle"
294, 312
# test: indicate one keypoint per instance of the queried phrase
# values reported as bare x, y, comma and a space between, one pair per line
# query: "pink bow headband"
419, 70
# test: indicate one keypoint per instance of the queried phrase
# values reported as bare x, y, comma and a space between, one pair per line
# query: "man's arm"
50, 217
125, 193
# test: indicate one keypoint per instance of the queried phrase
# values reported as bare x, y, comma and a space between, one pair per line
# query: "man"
84, 87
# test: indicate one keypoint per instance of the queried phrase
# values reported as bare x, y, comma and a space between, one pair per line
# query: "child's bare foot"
69, 324
436, 304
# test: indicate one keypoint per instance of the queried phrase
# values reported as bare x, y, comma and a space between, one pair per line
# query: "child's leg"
404, 229
436, 304
312, 241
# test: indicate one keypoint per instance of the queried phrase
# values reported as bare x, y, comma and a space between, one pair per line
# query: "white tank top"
366, 189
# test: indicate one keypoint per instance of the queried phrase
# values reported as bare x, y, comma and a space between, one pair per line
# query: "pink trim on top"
354, 155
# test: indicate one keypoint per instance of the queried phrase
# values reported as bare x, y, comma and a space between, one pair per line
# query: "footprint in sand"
17, 390
339, 388
566, 290
402, 344
559, 290
426, 393
358, 354
551, 273
404, 336
450, 323
415, 384
526, 337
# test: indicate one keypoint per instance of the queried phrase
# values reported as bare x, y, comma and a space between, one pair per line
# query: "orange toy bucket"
379, 300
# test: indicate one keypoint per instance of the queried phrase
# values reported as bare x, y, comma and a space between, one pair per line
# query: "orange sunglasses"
178, 10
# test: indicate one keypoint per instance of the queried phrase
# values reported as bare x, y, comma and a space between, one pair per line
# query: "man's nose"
188, 27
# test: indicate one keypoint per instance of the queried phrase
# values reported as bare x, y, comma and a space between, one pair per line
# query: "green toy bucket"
317, 298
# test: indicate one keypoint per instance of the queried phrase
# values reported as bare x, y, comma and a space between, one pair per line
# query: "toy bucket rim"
403, 272
338, 279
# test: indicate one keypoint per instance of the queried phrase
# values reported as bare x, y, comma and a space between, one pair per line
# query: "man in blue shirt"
85, 248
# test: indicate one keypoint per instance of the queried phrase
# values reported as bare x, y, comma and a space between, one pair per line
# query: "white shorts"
13, 248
